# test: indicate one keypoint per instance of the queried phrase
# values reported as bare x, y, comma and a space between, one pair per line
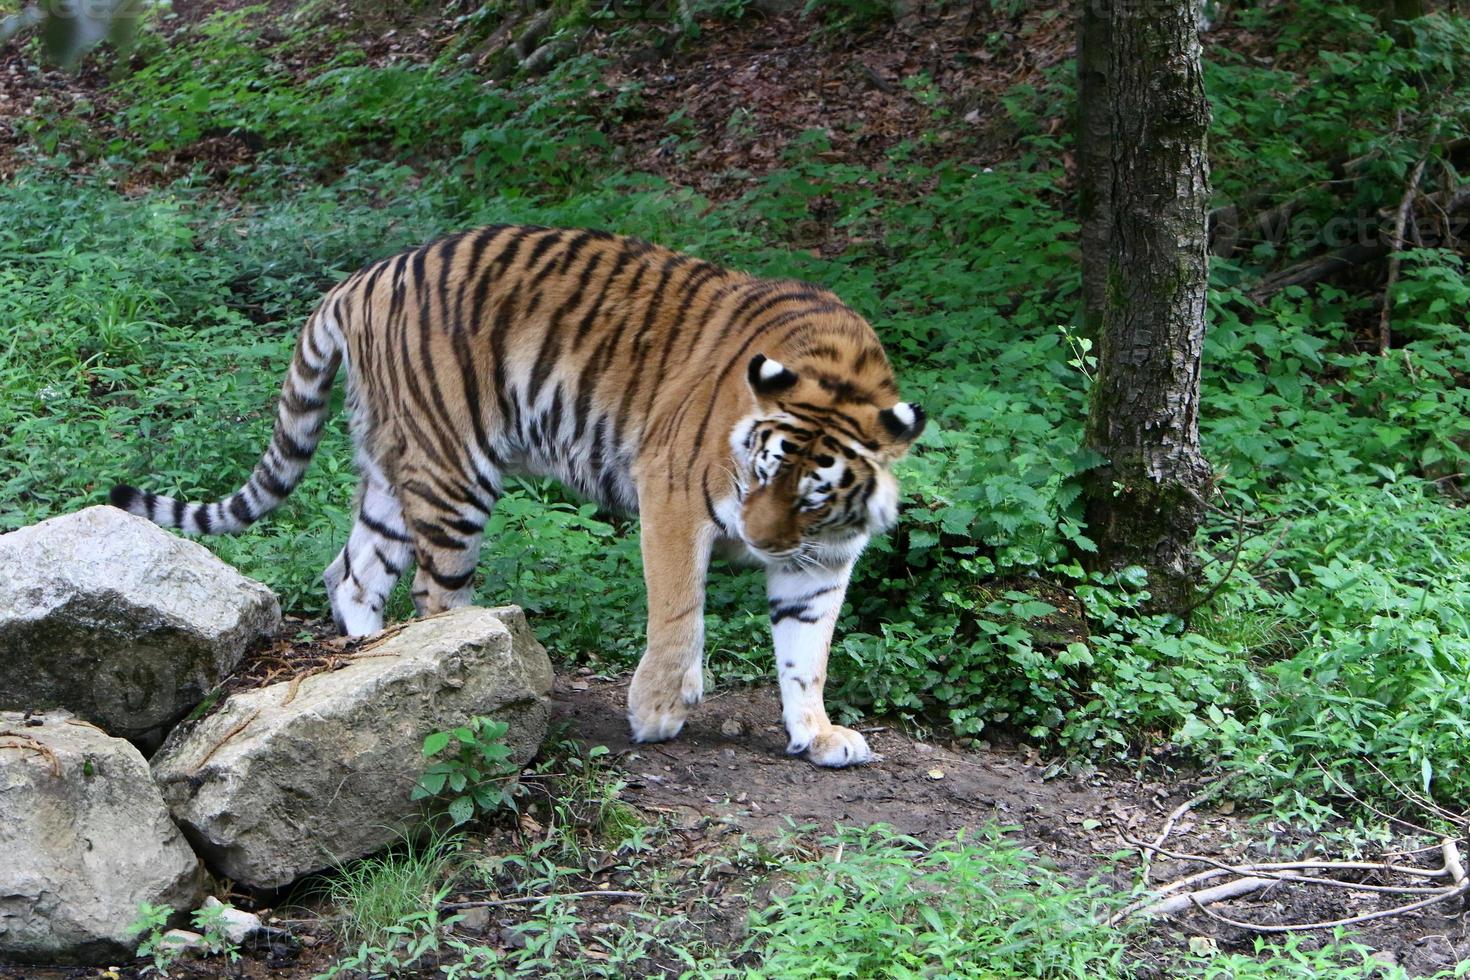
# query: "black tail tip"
123, 496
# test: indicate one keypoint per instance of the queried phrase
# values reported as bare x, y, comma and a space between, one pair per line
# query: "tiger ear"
769, 377
904, 421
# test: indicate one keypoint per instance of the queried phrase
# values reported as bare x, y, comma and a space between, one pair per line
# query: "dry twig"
1335, 923
223, 739
31, 744
1180, 811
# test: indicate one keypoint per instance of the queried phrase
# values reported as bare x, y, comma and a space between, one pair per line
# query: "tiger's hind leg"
378, 550
446, 539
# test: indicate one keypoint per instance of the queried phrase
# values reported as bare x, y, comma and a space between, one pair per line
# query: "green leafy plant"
151, 927
399, 945
208, 921
477, 777
892, 906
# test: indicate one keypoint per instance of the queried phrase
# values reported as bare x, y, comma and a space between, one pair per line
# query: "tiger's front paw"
835, 747
656, 722
656, 711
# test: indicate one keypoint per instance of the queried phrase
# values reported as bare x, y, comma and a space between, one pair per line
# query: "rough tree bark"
1094, 160
1146, 502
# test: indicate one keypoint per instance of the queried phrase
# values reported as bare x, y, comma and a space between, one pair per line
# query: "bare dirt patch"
730, 761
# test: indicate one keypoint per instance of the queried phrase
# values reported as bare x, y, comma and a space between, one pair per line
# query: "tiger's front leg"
669, 680
805, 602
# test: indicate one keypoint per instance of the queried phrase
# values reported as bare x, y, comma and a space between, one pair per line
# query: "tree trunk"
1146, 502
1392, 14
1392, 10
1094, 159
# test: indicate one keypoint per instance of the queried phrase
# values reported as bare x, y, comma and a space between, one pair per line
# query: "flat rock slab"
123, 623
301, 775
84, 839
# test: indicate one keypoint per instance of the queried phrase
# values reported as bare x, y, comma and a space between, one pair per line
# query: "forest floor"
724, 790
715, 115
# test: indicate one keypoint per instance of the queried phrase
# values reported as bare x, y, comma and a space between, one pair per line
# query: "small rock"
182, 940
237, 924
512, 938
1428, 956
732, 728
474, 921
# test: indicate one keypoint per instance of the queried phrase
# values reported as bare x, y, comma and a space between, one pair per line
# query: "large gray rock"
298, 776
122, 622
84, 839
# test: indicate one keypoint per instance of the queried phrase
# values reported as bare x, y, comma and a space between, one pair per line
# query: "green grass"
375, 896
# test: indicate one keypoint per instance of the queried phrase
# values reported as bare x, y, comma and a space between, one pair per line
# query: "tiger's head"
812, 463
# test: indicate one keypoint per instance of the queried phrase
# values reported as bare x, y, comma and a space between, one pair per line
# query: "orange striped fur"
757, 416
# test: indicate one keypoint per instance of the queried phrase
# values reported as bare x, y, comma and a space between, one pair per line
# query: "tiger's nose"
773, 545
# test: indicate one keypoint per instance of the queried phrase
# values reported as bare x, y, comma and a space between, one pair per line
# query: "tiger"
758, 418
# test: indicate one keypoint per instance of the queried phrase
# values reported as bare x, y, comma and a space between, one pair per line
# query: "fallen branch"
1347, 791
1183, 808
1253, 877
1337, 923
1314, 270
1216, 893
1452, 862
1456, 819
